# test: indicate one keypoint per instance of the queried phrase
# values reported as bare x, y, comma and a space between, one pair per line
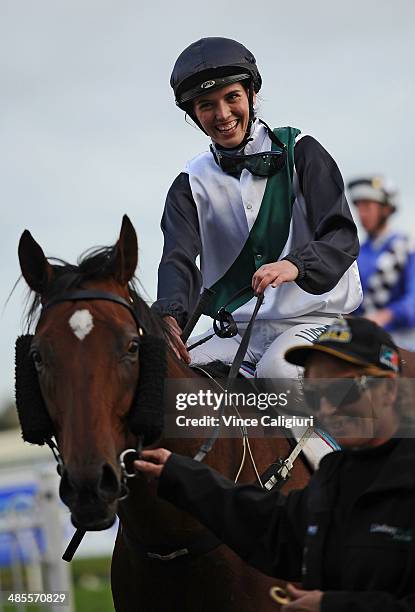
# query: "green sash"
268, 235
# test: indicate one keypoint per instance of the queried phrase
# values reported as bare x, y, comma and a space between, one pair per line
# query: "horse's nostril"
109, 485
101, 484
66, 488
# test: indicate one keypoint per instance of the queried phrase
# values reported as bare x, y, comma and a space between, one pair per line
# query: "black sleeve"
179, 279
265, 528
334, 246
370, 601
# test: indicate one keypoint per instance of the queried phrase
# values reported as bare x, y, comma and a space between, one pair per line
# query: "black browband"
89, 294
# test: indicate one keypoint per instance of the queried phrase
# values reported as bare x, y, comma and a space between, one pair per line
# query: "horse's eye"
133, 347
37, 359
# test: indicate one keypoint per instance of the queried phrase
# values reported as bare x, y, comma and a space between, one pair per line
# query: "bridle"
128, 455
93, 295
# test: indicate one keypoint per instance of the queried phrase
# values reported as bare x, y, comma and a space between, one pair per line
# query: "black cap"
356, 340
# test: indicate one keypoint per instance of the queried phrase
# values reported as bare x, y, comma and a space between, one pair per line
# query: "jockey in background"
262, 207
386, 261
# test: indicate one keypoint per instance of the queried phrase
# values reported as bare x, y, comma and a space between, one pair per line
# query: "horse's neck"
177, 368
408, 363
143, 513
152, 520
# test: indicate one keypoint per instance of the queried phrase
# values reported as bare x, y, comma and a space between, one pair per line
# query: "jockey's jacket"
387, 268
211, 214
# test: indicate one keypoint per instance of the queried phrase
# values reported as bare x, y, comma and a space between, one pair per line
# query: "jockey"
262, 207
386, 261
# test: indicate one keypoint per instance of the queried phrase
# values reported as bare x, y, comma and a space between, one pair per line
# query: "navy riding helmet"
211, 63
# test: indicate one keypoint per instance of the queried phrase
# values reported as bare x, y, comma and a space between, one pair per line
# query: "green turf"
91, 586
91, 580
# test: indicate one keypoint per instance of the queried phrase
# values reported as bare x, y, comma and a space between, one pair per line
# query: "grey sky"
89, 129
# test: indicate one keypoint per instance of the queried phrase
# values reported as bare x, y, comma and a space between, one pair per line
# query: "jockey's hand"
273, 274
152, 462
177, 344
382, 317
307, 601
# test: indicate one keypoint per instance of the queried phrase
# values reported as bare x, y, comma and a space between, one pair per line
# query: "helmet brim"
209, 85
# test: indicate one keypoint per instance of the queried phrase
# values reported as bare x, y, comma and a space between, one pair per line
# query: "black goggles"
259, 164
338, 393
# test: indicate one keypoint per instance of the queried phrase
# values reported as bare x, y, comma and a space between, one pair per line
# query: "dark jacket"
358, 547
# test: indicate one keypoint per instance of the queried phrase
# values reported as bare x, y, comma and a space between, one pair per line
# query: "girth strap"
198, 545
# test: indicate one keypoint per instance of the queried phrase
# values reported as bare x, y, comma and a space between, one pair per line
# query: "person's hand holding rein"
274, 274
304, 601
177, 344
152, 462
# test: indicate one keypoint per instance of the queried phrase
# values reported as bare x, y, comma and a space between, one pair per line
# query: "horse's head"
86, 359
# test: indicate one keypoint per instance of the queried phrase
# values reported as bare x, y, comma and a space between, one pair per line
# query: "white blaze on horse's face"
81, 323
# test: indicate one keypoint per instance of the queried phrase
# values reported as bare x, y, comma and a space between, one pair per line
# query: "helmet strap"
251, 105
251, 119
195, 121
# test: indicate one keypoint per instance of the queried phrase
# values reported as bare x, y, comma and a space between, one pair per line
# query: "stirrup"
224, 324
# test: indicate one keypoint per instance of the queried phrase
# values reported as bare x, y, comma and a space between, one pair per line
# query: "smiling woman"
263, 208
357, 409
224, 114
351, 382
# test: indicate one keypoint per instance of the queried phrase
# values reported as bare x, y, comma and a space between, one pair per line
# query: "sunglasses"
338, 393
259, 164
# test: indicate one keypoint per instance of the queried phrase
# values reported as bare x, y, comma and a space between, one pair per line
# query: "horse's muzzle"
92, 497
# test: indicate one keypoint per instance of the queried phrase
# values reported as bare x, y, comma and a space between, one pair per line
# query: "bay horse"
91, 376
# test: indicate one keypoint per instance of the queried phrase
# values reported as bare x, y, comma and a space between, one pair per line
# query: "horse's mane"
94, 264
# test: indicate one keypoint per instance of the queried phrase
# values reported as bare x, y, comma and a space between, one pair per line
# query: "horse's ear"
36, 269
126, 255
